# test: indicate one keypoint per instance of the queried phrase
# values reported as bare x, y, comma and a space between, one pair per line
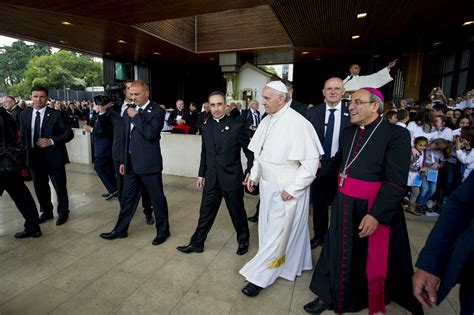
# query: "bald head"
333, 91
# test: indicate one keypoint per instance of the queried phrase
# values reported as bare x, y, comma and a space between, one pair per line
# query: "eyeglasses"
358, 102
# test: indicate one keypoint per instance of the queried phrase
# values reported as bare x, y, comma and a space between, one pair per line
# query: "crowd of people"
356, 156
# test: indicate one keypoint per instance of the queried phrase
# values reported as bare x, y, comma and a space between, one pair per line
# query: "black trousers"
41, 175
146, 202
210, 203
323, 190
13, 184
133, 187
104, 167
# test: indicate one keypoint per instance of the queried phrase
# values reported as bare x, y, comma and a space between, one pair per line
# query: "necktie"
140, 110
37, 130
328, 135
257, 120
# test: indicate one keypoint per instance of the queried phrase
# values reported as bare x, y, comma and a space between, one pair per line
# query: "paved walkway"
70, 270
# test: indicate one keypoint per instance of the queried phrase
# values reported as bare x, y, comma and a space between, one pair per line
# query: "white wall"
79, 148
251, 79
181, 153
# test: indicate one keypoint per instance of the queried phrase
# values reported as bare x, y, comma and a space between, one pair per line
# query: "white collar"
281, 111
337, 107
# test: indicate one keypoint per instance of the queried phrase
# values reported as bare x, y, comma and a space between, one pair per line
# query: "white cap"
278, 86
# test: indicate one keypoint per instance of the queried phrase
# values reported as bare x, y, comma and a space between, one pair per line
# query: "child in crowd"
391, 116
417, 169
443, 132
464, 153
438, 151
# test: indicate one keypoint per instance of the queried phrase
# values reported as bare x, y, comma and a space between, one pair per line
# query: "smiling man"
221, 175
367, 247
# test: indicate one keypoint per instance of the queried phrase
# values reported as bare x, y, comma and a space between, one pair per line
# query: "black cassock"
340, 277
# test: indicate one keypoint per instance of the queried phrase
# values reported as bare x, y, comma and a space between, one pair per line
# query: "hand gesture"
392, 64
368, 225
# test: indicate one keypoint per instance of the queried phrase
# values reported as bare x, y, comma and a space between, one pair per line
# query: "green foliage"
270, 70
14, 60
63, 69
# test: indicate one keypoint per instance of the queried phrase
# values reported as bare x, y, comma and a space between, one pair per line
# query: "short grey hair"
375, 99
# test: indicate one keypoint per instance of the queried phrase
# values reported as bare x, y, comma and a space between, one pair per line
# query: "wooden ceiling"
266, 31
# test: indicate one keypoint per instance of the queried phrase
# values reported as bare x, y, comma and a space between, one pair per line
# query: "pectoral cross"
343, 176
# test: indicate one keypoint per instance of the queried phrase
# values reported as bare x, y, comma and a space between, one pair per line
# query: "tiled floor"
70, 270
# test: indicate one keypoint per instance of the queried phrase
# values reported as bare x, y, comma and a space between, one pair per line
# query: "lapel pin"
226, 128
149, 111
346, 114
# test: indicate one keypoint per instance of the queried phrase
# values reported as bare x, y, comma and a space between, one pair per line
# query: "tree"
63, 69
14, 60
270, 70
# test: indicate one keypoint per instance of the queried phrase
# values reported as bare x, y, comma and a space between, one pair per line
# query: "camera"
102, 100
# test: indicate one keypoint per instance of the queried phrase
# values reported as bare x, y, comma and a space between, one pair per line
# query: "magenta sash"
377, 253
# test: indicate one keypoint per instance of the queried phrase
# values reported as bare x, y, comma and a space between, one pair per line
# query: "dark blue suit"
103, 135
50, 161
141, 155
448, 252
324, 186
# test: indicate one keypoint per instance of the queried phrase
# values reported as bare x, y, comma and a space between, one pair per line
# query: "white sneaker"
430, 204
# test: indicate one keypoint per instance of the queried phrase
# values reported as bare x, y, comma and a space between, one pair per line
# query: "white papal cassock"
286, 150
375, 80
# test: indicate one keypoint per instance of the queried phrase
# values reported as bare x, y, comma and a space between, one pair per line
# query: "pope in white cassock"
286, 150
354, 81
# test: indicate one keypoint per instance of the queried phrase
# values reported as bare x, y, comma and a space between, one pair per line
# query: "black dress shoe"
161, 238
243, 248
104, 194
62, 219
113, 235
190, 249
317, 306
111, 195
316, 242
149, 219
253, 219
26, 234
45, 217
251, 289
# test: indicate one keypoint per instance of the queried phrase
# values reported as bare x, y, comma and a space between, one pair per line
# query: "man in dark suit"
141, 163
115, 113
103, 135
299, 107
15, 110
203, 116
221, 175
329, 119
12, 182
251, 118
447, 257
46, 132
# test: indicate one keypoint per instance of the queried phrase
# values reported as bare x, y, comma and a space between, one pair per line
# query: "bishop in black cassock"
366, 258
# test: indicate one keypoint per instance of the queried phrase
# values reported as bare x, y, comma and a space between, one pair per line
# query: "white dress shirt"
33, 119
337, 126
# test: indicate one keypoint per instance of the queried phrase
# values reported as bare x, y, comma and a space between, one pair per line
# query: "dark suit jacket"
103, 134
450, 244
247, 119
114, 114
221, 164
203, 117
144, 140
16, 115
317, 117
299, 107
55, 127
